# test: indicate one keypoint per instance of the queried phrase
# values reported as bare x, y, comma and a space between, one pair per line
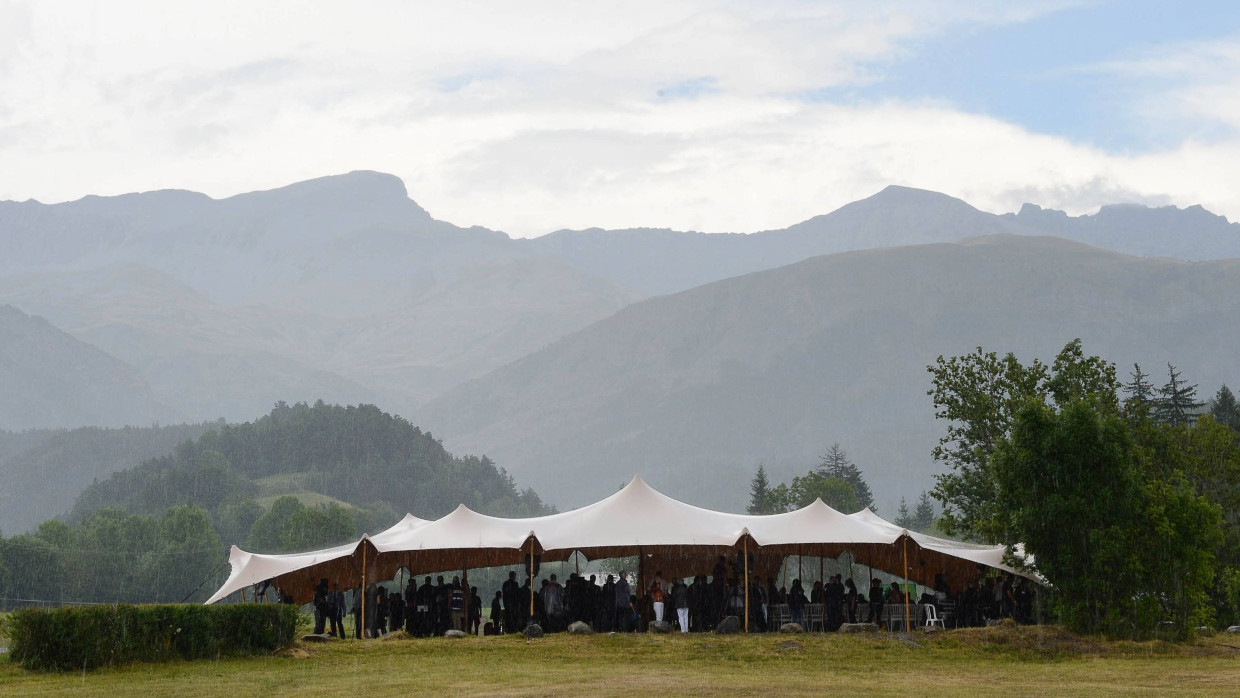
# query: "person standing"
322, 596
336, 607
497, 613
512, 603
680, 601
457, 605
623, 602
657, 599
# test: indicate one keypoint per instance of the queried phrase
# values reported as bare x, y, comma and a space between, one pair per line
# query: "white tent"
675, 537
298, 572
937, 549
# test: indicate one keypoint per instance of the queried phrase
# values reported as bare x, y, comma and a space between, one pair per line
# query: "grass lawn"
997, 661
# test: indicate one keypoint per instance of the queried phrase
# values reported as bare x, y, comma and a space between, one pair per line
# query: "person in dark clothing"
623, 603
396, 611
680, 602
381, 613
833, 598
475, 610
851, 600
322, 597
411, 606
876, 601
424, 600
336, 607
497, 612
443, 606
457, 605
796, 602
606, 612
356, 610
512, 603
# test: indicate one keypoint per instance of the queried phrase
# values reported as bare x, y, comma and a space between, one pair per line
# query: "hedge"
86, 637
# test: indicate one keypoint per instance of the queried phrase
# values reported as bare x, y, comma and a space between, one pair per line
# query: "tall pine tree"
1177, 400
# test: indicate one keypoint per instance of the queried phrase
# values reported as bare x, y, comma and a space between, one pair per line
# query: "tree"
978, 395
266, 536
1225, 410
1177, 401
1139, 390
1124, 549
835, 492
318, 527
903, 518
835, 463
924, 514
759, 493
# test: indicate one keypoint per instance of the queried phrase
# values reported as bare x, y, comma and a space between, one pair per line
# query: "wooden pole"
468, 595
363, 589
906, 625
746, 583
531, 579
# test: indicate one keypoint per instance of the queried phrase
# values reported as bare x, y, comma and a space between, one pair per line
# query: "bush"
85, 637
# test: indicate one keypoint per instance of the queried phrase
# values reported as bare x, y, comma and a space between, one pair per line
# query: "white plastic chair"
932, 616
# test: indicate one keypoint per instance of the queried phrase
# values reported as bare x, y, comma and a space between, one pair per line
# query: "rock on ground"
791, 628
532, 630
579, 628
728, 625
455, 633
659, 626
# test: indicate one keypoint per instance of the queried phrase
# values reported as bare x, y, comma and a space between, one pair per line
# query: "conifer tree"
1177, 400
759, 493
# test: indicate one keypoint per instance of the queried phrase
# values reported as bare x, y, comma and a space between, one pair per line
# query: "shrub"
85, 637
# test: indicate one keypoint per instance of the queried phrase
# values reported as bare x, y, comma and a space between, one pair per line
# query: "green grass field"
996, 661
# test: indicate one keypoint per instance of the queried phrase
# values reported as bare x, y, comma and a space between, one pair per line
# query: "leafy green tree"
1177, 400
30, 569
978, 395
185, 559
835, 492
835, 463
318, 527
267, 534
1124, 549
235, 517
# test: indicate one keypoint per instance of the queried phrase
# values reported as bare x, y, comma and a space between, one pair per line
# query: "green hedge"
85, 637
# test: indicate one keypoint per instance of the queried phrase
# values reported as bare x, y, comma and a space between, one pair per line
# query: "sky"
529, 117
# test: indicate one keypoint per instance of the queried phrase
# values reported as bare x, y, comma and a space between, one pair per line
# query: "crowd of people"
616, 604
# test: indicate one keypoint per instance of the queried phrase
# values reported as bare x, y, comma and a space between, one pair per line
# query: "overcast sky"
528, 117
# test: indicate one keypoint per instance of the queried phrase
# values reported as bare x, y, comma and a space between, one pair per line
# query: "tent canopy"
637, 520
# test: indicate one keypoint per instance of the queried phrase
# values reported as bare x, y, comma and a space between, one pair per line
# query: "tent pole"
905, 575
531, 578
746, 583
363, 590
467, 593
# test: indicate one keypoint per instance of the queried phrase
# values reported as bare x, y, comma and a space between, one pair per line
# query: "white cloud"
531, 117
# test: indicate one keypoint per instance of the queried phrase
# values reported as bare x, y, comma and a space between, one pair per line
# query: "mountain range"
579, 357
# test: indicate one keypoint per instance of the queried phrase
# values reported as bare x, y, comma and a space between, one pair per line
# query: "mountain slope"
51, 378
695, 389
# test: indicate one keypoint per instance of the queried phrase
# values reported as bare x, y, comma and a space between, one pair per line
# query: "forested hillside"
356, 455
44, 470
299, 478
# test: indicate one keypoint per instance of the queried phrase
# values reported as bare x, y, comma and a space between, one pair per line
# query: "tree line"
837, 481
1126, 496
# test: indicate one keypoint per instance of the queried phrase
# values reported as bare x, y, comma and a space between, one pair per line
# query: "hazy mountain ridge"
775, 366
49, 377
343, 288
